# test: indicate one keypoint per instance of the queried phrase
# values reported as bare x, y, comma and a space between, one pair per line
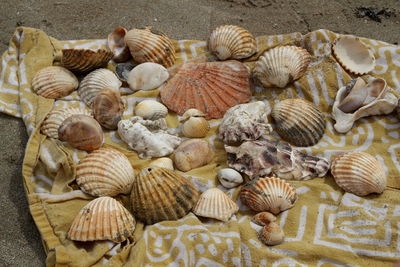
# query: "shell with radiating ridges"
108, 108
281, 65
229, 41
193, 153
271, 234
160, 194
194, 124
298, 121
116, 44
84, 60
103, 218
214, 203
105, 172
165, 163
359, 173
151, 110
54, 82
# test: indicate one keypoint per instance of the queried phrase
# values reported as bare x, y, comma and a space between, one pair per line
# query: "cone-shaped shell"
165, 163
54, 82
116, 44
211, 87
84, 60
105, 172
263, 218
271, 234
151, 110
193, 153
147, 45
359, 173
56, 117
281, 65
160, 194
298, 121
108, 108
229, 41
214, 203
268, 194
103, 218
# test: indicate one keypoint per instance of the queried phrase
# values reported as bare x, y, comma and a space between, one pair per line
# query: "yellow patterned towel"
326, 227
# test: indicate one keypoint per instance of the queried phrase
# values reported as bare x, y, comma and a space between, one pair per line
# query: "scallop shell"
151, 110
84, 60
54, 82
211, 87
96, 81
148, 45
116, 44
229, 41
282, 65
195, 127
147, 76
105, 172
353, 55
160, 194
56, 117
165, 163
268, 194
103, 218
193, 153
108, 108
263, 218
298, 121
229, 178
213, 203
271, 234
359, 173
81, 132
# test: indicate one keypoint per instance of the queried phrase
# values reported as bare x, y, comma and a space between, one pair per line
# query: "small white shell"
229, 178
147, 76
165, 163
151, 110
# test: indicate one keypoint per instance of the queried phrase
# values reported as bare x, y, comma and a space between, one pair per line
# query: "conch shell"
116, 44
193, 153
108, 108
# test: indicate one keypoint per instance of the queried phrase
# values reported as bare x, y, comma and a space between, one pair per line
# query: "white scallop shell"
229, 178
147, 76
151, 110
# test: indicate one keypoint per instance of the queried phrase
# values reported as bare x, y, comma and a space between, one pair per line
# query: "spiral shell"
165, 163
84, 60
193, 153
108, 108
271, 234
151, 110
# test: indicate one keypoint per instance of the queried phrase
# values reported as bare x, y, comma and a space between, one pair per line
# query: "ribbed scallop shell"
54, 82
211, 87
56, 117
84, 60
94, 82
160, 194
359, 173
229, 41
298, 121
105, 172
151, 110
165, 163
271, 234
281, 65
147, 45
213, 203
103, 218
268, 194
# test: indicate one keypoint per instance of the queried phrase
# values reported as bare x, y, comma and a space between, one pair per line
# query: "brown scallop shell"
108, 108
84, 60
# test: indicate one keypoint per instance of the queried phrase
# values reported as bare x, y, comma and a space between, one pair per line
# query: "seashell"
263, 218
160, 194
81, 132
194, 125
147, 76
108, 108
266, 157
282, 65
213, 203
353, 55
245, 122
211, 87
151, 110
268, 194
105, 172
103, 218
229, 178
298, 121
116, 44
192, 112
165, 163
54, 82
229, 41
56, 117
359, 99
148, 45
271, 234
85, 60
193, 153
122, 70
96, 81
359, 173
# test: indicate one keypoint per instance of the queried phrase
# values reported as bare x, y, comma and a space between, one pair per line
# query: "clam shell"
54, 82
116, 44
147, 45
84, 60
105, 172
263, 218
359, 173
229, 41
271, 234
195, 127
82, 132
108, 108
193, 153
298, 121
96, 81
160, 194
353, 55
281, 65
213, 203
103, 218
211, 87
268, 194
151, 110
229, 178
147, 76
165, 163
192, 112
